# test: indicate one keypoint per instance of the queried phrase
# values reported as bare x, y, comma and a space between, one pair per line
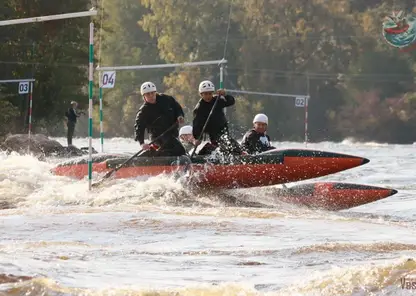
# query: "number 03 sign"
23, 88
108, 79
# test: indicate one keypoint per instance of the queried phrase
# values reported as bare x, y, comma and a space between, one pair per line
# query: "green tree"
54, 53
124, 43
191, 31
360, 86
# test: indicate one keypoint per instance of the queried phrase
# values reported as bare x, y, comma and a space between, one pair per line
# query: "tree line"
359, 85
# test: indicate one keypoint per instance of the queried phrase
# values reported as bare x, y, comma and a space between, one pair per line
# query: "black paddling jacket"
157, 118
217, 122
71, 115
254, 142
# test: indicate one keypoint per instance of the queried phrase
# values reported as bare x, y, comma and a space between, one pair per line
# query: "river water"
155, 237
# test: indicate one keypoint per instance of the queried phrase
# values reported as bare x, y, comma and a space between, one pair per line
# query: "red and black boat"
332, 196
273, 167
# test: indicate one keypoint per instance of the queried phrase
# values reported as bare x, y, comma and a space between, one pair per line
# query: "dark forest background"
360, 86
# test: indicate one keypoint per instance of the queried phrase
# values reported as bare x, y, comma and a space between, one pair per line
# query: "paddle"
205, 125
110, 173
202, 132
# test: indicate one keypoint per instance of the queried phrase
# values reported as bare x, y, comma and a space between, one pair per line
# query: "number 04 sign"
108, 79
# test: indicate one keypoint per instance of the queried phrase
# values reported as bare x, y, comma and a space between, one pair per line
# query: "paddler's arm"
225, 100
139, 127
197, 124
250, 143
177, 108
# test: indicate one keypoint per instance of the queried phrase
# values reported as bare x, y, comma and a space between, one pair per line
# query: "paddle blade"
106, 176
109, 174
98, 183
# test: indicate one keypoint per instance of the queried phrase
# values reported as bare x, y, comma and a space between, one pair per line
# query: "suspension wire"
100, 33
228, 29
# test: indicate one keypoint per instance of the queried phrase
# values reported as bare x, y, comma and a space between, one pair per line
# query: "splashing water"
159, 237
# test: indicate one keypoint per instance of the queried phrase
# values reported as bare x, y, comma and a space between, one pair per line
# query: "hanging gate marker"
302, 102
25, 87
107, 80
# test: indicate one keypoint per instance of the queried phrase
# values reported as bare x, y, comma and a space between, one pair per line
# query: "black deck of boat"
269, 157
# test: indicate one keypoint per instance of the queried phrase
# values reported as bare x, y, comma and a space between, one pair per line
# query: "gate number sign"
108, 79
300, 102
23, 87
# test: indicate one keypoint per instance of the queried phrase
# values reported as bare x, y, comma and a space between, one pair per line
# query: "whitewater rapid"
131, 237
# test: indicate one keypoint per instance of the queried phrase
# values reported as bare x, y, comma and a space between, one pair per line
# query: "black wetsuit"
217, 127
72, 121
156, 119
254, 142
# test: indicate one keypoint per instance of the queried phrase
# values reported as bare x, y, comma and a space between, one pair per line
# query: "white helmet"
147, 87
185, 130
261, 118
206, 86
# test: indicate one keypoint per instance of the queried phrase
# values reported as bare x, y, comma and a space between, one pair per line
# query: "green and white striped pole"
222, 76
101, 117
222, 81
90, 89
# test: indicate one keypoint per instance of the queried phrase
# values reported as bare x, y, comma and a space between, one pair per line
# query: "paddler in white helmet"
256, 140
187, 139
217, 125
160, 115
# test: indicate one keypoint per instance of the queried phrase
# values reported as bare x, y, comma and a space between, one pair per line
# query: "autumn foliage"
360, 86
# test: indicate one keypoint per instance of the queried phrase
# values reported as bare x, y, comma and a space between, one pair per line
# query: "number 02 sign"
108, 79
300, 102
23, 87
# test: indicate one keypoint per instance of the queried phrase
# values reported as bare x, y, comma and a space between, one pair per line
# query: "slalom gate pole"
30, 112
90, 92
101, 118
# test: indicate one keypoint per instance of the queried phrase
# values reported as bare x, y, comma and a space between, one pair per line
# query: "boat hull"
277, 167
333, 196
270, 168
